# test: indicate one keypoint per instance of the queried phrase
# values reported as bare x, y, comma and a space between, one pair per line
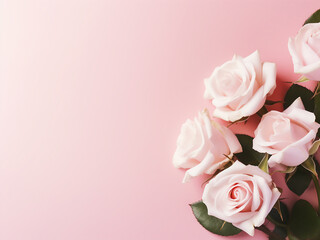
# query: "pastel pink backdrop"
92, 96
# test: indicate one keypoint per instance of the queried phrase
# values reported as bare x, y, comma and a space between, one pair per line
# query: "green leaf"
271, 102
290, 174
277, 206
317, 166
263, 165
211, 223
274, 215
276, 218
302, 79
248, 155
244, 119
296, 91
317, 109
316, 91
262, 111
288, 170
291, 237
279, 231
304, 222
310, 165
314, 18
314, 148
299, 181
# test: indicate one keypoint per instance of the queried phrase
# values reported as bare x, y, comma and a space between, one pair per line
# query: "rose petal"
252, 106
269, 78
246, 227
295, 154
297, 104
255, 60
231, 139
200, 168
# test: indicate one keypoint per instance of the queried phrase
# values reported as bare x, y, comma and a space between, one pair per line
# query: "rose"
241, 195
204, 146
305, 51
287, 135
239, 87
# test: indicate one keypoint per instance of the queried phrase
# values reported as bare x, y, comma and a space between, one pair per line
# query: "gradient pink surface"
92, 97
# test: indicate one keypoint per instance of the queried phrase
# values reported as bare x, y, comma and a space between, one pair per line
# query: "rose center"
241, 197
285, 132
229, 84
237, 193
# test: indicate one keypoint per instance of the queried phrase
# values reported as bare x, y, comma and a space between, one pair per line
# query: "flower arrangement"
241, 193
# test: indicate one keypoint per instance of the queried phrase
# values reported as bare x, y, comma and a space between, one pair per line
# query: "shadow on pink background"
92, 97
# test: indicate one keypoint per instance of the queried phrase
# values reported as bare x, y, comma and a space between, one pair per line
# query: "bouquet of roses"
240, 194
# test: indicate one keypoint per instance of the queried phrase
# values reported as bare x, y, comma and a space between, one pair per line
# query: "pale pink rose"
305, 51
286, 135
241, 195
204, 146
239, 87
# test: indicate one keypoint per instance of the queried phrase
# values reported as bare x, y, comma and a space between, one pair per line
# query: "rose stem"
264, 229
316, 184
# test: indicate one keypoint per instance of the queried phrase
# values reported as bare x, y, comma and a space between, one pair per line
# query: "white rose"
305, 51
241, 195
286, 135
239, 87
204, 146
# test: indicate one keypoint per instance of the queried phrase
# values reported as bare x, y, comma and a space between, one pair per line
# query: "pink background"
92, 97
